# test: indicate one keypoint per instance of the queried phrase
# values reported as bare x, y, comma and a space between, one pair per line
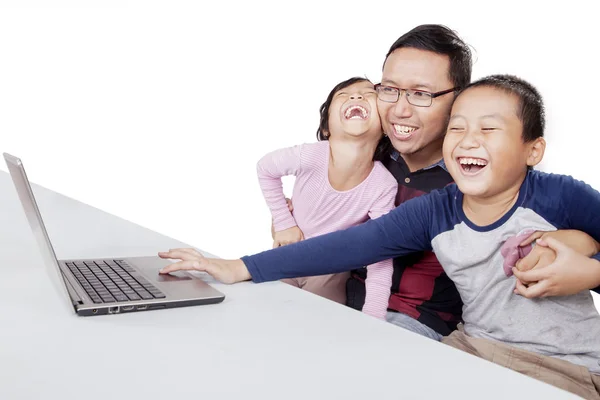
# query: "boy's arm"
581, 210
379, 275
572, 272
270, 169
404, 230
586, 217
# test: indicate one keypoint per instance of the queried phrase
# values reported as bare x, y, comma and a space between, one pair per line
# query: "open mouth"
403, 130
471, 166
356, 112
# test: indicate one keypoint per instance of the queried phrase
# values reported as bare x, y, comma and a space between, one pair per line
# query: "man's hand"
290, 207
226, 271
287, 236
570, 273
538, 257
542, 256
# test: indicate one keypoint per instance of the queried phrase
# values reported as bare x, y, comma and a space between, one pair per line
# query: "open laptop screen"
32, 212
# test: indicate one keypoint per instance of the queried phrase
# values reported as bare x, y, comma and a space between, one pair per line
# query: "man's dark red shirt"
420, 287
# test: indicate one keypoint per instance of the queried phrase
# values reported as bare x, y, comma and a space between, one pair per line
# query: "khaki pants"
332, 287
560, 373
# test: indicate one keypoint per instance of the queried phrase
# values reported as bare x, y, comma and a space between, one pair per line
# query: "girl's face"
353, 112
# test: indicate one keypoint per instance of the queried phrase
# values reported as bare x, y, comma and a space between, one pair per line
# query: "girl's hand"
288, 236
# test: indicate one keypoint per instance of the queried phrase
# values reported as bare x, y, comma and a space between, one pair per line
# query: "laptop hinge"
75, 299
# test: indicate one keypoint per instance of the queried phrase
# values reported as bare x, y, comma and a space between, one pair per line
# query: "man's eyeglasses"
418, 98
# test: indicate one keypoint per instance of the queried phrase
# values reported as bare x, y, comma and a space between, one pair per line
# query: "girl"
339, 183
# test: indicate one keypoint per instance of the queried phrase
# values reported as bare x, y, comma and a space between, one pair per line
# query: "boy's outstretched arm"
226, 271
404, 230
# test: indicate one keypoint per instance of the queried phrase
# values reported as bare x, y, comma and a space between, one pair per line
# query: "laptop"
110, 285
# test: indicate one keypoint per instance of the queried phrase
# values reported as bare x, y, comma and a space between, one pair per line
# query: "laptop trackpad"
173, 277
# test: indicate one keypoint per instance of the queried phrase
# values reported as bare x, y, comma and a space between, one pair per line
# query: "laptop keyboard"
108, 281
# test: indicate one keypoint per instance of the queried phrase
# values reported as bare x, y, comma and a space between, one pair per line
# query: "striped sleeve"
270, 169
379, 275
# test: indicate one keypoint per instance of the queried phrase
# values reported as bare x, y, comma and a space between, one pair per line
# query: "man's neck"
424, 157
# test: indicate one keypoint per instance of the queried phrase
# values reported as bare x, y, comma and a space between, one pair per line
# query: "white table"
265, 341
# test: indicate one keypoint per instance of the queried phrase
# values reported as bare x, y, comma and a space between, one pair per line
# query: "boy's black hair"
531, 106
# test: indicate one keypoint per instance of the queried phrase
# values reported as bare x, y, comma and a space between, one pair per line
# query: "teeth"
404, 129
473, 161
363, 112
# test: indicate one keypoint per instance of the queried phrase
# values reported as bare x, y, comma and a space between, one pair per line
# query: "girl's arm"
270, 169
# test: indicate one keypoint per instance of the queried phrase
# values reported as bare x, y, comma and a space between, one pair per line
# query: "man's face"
412, 128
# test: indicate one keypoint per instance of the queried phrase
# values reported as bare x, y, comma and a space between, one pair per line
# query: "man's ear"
536, 151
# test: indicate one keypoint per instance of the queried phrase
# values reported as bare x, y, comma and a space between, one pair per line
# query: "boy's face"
484, 149
353, 111
410, 128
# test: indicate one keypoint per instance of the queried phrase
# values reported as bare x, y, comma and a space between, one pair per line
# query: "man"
432, 62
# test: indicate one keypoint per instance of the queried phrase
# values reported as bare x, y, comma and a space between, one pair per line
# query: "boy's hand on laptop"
226, 271
287, 236
569, 274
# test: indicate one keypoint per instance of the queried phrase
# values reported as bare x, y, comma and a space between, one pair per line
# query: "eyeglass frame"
433, 95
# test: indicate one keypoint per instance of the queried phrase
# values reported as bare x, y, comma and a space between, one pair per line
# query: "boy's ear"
536, 151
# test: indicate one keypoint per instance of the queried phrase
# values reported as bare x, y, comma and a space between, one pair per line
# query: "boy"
494, 138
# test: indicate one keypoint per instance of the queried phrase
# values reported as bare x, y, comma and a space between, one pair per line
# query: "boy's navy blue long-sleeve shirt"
567, 327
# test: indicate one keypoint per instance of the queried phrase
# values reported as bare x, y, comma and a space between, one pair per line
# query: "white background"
158, 111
